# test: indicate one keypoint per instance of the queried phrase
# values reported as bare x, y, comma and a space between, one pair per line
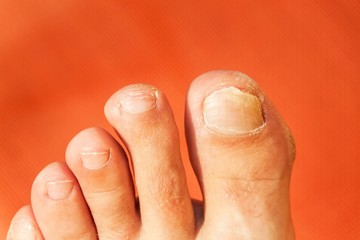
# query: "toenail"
21, 230
95, 159
139, 100
58, 190
232, 111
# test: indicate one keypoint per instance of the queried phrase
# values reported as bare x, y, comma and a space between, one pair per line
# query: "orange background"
60, 60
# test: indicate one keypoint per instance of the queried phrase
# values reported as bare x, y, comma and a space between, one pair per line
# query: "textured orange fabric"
60, 60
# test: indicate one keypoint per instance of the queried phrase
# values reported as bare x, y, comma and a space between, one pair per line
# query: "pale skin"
241, 150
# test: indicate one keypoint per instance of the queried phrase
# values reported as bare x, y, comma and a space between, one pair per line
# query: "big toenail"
21, 230
232, 111
58, 190
139, 100
95, 159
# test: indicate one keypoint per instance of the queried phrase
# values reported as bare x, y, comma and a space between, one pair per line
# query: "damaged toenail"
95, 159
58, 190
232, 111
139, 100
22, 229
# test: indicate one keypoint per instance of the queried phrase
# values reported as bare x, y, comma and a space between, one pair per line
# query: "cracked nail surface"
232, 111
138, 100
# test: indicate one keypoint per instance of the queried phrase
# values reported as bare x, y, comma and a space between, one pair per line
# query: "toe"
101, 168
242, 153
59, 206
143, 118
24, 226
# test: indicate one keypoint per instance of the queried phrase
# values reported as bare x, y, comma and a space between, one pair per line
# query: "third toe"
101, 168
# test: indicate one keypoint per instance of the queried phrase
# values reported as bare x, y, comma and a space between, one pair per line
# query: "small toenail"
59, 190
139, 100
21, 230
95, 159
232, 111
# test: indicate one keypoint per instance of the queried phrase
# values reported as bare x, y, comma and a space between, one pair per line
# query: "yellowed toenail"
232, 111
22, 230
58, 190
95, 159
139, 100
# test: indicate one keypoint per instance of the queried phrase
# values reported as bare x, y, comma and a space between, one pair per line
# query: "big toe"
242, 153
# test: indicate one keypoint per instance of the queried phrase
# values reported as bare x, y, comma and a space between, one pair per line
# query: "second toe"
144, 120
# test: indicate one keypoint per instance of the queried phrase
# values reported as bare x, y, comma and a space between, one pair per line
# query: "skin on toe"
242, 153
23, 226
142, 117
241, 150
101, 167
59, 206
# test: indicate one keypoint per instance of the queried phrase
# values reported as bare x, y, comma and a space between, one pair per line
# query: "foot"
242, 154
